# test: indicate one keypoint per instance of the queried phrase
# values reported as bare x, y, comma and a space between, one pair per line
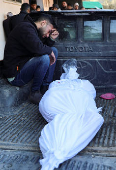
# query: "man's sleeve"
48, 41
28, 37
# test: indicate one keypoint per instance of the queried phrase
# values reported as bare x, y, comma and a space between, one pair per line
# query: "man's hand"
54, 34
52, 58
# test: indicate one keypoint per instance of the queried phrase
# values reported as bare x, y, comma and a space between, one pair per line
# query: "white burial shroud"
73, 118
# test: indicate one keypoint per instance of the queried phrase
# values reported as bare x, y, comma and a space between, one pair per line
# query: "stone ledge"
11, 95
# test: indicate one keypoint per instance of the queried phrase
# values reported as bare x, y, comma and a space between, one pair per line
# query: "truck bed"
20, 128
90, 37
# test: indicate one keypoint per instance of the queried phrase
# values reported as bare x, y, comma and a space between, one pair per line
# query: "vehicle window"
93, 30
113, 29
67, 29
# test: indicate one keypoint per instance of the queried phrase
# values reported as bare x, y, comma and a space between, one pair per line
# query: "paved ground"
23, 160
20, 129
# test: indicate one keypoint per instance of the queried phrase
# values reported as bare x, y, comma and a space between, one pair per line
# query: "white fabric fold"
73, 118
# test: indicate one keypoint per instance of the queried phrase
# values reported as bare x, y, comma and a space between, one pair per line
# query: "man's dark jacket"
22, 44
6, 27
10, 23
16, 19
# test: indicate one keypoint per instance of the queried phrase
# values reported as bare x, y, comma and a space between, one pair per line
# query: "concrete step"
20, 129
25, 160
11, 95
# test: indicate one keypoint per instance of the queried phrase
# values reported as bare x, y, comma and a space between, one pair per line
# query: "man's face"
55, 9
38, 9
46, 30
76, 7
69, 7
64, 4
34, 6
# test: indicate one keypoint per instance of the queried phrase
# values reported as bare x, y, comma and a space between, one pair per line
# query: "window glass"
67, 30
93, 30
113, 29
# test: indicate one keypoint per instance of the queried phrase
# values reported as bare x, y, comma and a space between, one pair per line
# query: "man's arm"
54, 34
28, 37
51, 39
52, 58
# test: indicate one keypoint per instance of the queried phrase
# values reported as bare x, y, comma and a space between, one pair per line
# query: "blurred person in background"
38, 8
16, 19
10, 23
64, 5
76, 6
33, 5
56, 7
69, 7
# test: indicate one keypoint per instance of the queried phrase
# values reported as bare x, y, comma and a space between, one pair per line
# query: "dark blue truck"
90, 37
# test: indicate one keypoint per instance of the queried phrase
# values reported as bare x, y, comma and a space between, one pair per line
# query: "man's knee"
45, 59
54, 49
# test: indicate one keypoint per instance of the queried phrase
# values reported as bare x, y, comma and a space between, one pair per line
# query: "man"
33, 5
10, 23
27, 58
76, 6
64, 5
56, 7
38, 8
69, 6
16, 19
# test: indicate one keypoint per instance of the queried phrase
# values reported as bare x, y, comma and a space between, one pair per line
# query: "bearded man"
27, 56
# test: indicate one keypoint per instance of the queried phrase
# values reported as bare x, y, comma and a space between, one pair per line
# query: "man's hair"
69, 4
25, 7
33, 2
56, 6
41, 17
64, 1
38, 6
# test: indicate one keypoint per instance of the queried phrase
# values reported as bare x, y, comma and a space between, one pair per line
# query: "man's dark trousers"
38, 69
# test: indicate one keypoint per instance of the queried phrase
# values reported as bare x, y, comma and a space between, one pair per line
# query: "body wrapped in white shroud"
73, 118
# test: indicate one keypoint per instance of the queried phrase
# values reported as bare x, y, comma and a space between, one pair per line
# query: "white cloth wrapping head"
73, 118
71, 63
71, 74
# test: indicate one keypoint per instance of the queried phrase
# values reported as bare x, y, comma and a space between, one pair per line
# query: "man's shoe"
35, 97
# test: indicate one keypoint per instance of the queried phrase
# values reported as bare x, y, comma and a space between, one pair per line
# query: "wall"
47, 4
